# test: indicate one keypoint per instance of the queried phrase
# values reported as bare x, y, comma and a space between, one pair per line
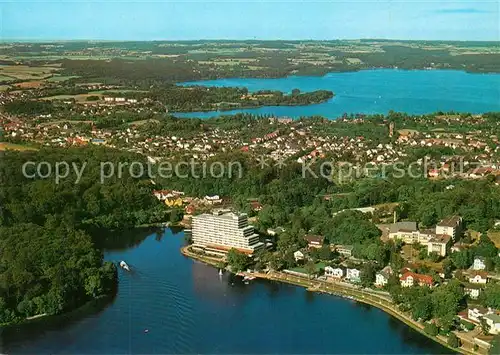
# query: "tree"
486, 247
462, 259
495, 345
484, 326
237, 260
490, 297
422, 310
276, 263
367, 275
434, 257
431, 329
453, 341
310, 268
93, 284
447, 268
325, 253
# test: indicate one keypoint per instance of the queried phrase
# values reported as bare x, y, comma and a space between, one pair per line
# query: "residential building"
493, 321
478, 263
410, 279
353, 275
472, 290
450, 226
478, 277
409, 233
219, 232
439, 244
298, 255
344, 250
382, 277
314, 241
475, 314
336, 273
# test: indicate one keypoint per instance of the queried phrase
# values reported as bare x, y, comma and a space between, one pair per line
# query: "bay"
375, 91
171, 304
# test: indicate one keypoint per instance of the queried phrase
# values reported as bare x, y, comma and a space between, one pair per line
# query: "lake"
187, 308
376, 91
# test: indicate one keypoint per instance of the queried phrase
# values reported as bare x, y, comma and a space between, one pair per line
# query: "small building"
478, 277
298, 255
439, 244
472, 290
479, 263
275, 231
314, 241
98, 141
344, 250
410, 279
353, 275
475, 314
451, 226
256, 206
382, 277
493, 321
335, 273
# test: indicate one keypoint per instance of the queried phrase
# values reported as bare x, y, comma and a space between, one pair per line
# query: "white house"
493, 320
478, 263
473, 292
475, 314
298, 255
353, 275
336, 273
478, 278
382, 277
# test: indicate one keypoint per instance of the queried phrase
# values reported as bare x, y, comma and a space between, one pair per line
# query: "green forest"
49, 262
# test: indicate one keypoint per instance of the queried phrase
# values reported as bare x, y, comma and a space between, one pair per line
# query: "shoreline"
33, 321
256, 107
339, 290
202, 82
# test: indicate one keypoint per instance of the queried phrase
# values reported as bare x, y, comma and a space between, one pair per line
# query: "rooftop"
403, 226
452, 221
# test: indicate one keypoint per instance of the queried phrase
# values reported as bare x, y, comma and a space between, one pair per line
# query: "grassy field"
78, 98
12, 146
141, 122
58, 78
495, 237
319, 266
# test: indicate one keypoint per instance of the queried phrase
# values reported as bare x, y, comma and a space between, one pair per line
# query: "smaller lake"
375, 91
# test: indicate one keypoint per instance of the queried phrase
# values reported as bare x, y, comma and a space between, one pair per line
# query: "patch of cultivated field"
58, 78
25, 72
12, 146
6, 79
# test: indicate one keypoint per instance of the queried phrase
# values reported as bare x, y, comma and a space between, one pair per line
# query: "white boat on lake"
124, 265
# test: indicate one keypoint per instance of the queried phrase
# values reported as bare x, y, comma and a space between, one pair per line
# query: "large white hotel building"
219, 232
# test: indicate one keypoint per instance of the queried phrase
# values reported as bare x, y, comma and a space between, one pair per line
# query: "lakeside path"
342, 289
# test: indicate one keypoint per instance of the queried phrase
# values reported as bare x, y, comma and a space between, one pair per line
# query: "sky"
248, 19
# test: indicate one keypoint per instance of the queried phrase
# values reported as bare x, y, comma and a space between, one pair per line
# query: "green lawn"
319, 266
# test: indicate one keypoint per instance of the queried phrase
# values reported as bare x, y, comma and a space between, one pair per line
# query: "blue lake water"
376, 91
187, 308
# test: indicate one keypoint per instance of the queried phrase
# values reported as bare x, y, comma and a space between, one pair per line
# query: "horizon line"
33, 40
